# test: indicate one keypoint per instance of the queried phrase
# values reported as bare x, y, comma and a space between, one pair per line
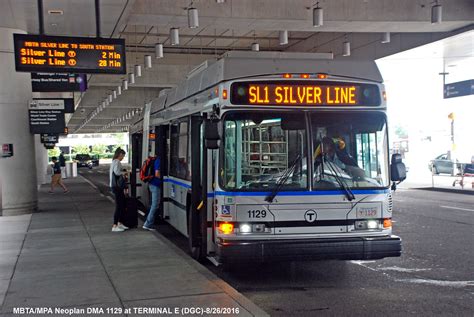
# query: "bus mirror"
211, 134
397, 169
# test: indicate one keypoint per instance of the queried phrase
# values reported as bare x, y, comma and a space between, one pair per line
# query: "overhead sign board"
64, 54
304, 93
58, 82
458, 89
49, 145
47, 116
49, 138
68, 103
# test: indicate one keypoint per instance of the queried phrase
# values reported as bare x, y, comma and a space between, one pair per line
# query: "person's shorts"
55, 179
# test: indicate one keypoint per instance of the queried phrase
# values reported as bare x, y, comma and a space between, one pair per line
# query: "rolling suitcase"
130, 216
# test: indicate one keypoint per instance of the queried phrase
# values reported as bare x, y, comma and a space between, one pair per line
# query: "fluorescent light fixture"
193, 18
148, 64
318, 19
115, 94
346, 49
131, 78
107, 101
110, 98
283, 37
220, 1
119, 90
158, 50
386, 37
125, 84
436, 13
138, 70
255, 47
174, 36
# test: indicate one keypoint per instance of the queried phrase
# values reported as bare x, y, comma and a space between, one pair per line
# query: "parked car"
442, 164
85, 160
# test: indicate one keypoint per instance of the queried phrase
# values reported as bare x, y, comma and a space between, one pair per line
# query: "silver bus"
274, 156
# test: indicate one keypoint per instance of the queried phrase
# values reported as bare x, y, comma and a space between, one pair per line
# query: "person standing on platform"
115, 174
56, 177
155, 189
62, 163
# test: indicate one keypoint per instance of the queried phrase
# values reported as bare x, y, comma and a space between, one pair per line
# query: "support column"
41, 161
17, 173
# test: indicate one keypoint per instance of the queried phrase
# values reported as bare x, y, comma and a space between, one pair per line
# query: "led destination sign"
60, 54
304, 93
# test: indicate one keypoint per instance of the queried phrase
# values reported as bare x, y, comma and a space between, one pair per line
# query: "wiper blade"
283, 179
347, 190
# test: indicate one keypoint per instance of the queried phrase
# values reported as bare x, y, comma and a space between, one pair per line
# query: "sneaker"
121, 226
117, 229
149, 228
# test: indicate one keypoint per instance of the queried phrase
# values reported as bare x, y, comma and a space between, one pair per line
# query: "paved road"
434, 277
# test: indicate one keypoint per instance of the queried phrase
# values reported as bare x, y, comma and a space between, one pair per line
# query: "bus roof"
239, 64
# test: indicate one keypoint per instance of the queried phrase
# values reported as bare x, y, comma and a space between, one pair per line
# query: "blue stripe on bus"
305, 193
169, 180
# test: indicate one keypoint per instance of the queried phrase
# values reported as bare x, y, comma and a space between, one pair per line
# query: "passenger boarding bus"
275, 156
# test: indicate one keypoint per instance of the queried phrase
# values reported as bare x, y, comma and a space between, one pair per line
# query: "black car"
85, 160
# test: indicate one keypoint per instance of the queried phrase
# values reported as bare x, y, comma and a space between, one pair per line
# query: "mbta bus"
274, 156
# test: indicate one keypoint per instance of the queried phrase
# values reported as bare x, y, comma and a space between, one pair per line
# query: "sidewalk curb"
446, 190
247, 304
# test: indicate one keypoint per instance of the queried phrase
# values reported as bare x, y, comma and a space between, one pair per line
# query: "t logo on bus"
310, 215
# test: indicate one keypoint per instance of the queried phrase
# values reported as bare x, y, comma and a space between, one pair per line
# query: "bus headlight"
372, 224
369, 224
245, 228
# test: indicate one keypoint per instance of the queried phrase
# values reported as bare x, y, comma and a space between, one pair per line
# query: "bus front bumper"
354, 248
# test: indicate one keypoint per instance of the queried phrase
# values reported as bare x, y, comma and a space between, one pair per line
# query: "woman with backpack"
118, 185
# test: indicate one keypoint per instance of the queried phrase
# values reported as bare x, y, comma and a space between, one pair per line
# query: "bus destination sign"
61, 54
304, 93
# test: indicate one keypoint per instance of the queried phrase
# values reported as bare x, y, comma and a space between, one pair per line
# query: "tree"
99, 149
81, 149
54, 152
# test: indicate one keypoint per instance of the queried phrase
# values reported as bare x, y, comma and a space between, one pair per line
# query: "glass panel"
349, 148
262, 149
179, 160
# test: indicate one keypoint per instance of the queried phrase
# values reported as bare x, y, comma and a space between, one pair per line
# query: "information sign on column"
47, 116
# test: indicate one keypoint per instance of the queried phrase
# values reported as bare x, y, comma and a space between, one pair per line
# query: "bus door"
196, 215
135, 182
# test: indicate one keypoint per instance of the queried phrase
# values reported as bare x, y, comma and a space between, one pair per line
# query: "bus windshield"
349, 148
260, 149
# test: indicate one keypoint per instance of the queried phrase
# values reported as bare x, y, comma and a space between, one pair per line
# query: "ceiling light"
255, 47
174, 36
148, 61
158, 50
346, 49
131, 78
138, 70
386, 37
110, 98
56, 12
283, 37
318, 16
125, 84
220, 1
436, 13
115, 94
107, 101
193, 18
119, 90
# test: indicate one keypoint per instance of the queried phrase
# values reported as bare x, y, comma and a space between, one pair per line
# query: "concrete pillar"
17, 173
41, 162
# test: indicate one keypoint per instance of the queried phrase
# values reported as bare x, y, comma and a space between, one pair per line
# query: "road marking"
111, 199
457, 208
90, 183
141, 213
402, 269
437, 282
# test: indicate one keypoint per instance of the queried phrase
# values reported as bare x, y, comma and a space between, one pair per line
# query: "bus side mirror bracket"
211, 134
398, 171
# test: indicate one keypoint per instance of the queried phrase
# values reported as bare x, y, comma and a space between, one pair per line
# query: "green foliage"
99, 149
401, 132
53, 152
80, 149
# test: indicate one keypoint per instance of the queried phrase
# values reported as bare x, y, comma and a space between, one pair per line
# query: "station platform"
65, 258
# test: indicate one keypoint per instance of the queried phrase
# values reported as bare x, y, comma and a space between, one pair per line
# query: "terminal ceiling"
232, 25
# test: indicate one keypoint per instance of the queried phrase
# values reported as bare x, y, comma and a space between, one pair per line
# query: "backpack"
147, 172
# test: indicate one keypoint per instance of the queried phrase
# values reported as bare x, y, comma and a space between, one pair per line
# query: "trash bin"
71, 169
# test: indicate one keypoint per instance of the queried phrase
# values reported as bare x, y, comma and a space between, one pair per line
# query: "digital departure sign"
61, 54
304, 93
